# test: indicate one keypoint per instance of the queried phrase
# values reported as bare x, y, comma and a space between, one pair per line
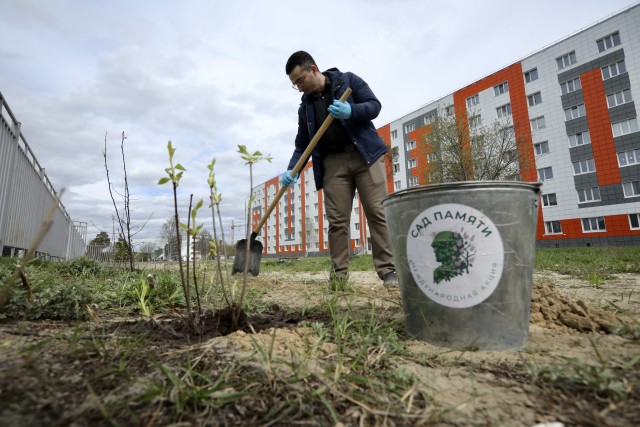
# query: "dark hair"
301, 58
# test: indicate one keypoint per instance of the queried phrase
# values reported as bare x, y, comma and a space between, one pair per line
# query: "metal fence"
26, 195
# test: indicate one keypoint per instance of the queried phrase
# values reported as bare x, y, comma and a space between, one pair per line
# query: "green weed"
603, 380
187, 389
581, 262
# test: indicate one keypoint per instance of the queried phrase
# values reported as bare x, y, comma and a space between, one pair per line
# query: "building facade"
573, 105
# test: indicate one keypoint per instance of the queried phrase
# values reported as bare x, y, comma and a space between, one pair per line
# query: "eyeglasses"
298, 82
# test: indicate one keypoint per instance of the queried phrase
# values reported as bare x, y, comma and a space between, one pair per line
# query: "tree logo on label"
455, 251
455, 254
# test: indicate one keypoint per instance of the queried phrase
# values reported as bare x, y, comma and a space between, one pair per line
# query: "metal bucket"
464, 257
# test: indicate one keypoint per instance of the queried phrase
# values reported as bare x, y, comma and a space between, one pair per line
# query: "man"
348, 157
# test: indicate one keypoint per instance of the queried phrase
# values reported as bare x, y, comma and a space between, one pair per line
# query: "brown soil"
93, 373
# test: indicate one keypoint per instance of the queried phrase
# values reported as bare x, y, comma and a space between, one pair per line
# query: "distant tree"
169, 238
101, 239
146, 251
202, 242
122, 250
464, 149
123, 213
310, 233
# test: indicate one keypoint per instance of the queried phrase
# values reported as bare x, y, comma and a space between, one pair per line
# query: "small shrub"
80, 267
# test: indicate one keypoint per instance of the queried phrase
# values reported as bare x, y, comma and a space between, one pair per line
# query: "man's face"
304, 79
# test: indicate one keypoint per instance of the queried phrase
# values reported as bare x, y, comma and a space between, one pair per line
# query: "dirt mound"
555, 310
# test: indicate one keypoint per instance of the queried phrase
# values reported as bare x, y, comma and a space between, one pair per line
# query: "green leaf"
163, 180
180, 167
184, 226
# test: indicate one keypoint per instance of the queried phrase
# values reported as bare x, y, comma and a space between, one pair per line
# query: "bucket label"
455, 254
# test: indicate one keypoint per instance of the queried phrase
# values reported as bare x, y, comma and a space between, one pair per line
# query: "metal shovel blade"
255, 255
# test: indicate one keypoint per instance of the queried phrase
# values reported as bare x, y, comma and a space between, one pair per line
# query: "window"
356, 211
501, 89
634, 221
586, 195
538, 123
549, 199
410, 127
356, 226
531, 75
566, 60
411, 145
593, 224
575, 112
449, 110
541, 148
472, 101
431, 157
413, 181
579, 138
570, 86
623, 128
545, 174
396, 167
608, 42
535, 99
397, 185
619, 98
412, 163
631, 189
507, 133
503, 111
394, 134
429, 119
475, 121
584, 166
552, 227
628, 158
613, 70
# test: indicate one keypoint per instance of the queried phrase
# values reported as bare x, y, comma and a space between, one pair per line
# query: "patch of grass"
600, 379
63, 290
188, 389
594, 264
629, 331
315, 264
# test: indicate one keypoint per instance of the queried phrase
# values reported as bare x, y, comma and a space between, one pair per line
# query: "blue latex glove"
340, 110
286, 179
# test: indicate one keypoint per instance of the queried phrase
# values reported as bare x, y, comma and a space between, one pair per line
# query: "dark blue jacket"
364, 108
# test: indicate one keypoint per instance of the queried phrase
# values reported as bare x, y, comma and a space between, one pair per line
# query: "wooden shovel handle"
303, 159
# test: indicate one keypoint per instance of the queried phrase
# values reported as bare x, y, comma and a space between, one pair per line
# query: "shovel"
255, 247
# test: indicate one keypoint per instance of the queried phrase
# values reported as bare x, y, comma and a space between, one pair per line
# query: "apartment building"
572, 103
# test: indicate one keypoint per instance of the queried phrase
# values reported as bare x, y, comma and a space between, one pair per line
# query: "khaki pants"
344, 173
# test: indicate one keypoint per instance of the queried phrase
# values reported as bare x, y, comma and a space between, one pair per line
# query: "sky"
209, 76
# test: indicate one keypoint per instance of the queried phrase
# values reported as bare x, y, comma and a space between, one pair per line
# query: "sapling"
216, 198
174, 173
192, 231
250, 159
